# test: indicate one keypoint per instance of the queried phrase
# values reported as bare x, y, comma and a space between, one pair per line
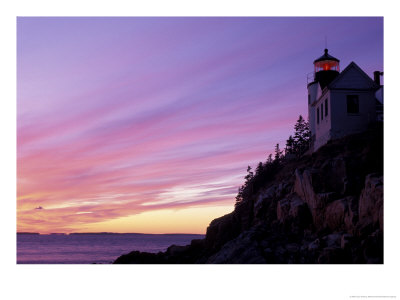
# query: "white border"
195, 282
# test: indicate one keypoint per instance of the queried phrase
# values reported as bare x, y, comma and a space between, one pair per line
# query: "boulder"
282, 209
346, 241
221, 230
334, 175
371, 201
175, 250
243, 249
292, 247
303, 186
306, 187
315, 245
339, 215
262, 199
294, 209
282, 189
332, 240
373, 248
332, 255
300, 212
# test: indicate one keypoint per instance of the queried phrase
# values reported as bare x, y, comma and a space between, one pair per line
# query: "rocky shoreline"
326, 207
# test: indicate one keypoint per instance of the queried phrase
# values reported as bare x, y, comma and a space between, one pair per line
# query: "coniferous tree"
269, 159
301, 136
259, 168
298, 131
296, 144
249, 175
278, 154
239, 197
289, 149
246, 187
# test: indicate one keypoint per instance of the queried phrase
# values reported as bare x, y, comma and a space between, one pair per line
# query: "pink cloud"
130, 114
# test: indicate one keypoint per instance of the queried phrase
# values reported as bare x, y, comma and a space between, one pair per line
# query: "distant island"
104, 233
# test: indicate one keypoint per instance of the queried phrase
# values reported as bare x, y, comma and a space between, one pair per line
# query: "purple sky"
122, 116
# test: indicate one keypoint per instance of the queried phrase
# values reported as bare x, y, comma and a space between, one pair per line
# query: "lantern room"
326, 63
326, 68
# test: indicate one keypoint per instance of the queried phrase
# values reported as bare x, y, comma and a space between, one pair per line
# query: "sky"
148, 124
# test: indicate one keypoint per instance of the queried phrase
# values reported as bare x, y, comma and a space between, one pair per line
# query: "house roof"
353, 77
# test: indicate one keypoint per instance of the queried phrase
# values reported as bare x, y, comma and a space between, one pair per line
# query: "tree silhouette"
301, 136
259, 168
278, 154
289, 149
249, 175
297, 144
246, 187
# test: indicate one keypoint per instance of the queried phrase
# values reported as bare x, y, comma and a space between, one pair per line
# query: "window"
326, 106
322, 111
317, 115
352, 104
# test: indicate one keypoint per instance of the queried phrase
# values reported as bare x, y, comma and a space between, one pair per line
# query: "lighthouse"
339, 102
326, 69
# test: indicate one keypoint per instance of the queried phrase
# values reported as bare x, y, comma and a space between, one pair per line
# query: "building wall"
323, 129
312, 97
379, 94
344, 123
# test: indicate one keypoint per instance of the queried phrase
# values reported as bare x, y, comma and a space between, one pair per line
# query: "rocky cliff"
322, 208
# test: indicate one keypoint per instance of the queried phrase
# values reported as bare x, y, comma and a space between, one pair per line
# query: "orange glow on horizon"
187, 220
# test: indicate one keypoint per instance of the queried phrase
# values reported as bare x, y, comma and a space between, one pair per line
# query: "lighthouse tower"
326, 69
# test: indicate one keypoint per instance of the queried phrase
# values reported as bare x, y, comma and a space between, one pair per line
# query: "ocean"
90, 248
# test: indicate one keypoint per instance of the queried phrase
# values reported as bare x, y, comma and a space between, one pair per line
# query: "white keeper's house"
341, 103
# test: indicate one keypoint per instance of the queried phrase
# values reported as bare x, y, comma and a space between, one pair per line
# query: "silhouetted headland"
324, 207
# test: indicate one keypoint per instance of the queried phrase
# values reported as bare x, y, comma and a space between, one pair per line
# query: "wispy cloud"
137, 114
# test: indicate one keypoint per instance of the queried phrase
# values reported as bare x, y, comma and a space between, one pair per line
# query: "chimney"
377, 77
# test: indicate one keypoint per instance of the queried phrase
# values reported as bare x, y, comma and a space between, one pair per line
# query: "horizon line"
103, 232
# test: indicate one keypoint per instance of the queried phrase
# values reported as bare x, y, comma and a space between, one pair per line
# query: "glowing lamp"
326, 68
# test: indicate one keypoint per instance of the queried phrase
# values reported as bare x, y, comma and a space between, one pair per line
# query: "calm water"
91, 248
